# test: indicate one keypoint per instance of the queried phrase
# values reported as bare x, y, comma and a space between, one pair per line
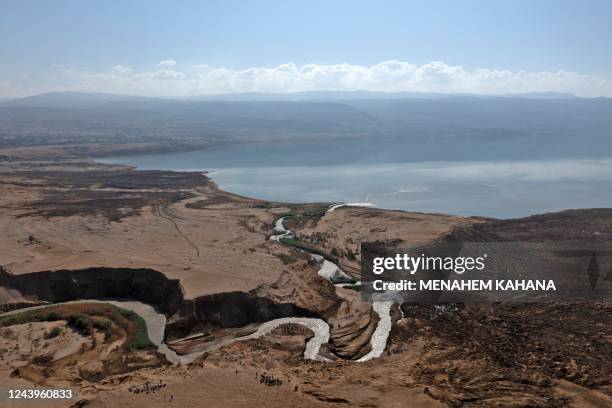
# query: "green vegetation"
300, 245
310, 211
344, 253
300, 215
343, 280
52, 316
104, 325
81, 323
29, 316
86, 318
140, 338
54, 332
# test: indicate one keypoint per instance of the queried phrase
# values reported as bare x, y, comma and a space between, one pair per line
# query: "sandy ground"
353, 225
346, 228
217, 242
211, 250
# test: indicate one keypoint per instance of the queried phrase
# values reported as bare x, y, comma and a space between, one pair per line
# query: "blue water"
391, 175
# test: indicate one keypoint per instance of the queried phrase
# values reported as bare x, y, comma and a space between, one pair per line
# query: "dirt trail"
164, 212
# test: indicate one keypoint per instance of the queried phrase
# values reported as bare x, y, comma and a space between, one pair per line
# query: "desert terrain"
76, 229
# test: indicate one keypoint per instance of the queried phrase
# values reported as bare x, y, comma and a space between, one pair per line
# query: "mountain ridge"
89, 99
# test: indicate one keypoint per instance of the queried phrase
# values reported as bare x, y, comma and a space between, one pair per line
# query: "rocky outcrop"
230, 309
351, 327
352, 321
145, 285
222, 310
290, 336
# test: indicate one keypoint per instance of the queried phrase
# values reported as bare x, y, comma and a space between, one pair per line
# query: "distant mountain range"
563, 123
69, 100
356, 95
87, 100
397, 111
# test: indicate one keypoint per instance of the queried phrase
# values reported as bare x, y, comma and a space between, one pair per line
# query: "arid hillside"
203, 257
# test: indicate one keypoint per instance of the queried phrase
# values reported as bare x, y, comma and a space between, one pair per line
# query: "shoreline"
76, 153
225, 227
497, 209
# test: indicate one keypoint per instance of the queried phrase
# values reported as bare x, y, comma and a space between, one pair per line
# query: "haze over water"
396, 176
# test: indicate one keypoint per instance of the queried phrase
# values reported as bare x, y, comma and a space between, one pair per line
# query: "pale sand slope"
210, 251
347, 227
218, 247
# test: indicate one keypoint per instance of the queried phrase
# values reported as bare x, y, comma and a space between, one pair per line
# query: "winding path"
162, 211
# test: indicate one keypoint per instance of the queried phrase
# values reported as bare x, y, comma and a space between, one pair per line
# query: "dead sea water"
397, 176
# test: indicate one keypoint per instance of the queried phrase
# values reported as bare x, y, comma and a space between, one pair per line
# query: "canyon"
242, 297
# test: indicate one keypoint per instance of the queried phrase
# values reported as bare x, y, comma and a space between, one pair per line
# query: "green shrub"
52, 317
29, 316
81, 323
101, 324
105, 325
20, 318
300, 245
54, 332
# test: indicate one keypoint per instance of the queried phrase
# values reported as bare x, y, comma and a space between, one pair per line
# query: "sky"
162, 48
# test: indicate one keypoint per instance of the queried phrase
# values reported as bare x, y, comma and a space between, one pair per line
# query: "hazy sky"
197, 47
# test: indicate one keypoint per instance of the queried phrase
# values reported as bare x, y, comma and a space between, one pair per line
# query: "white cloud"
167, 63
161, 74
394, 76
120, 70
390, 76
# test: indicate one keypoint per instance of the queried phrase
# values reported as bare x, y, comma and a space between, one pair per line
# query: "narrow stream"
156, 321
332, 273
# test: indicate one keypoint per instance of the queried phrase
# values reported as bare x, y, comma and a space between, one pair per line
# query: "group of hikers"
269, 380
147, 388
